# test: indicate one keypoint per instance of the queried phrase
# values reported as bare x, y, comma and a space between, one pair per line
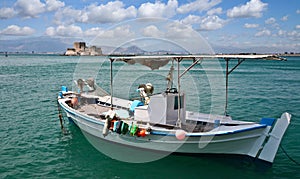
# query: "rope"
60, 116
288, 156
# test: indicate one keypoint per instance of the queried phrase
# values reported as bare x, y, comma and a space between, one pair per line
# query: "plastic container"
64, 89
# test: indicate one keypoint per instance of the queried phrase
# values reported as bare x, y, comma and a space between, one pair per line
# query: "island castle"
81, 49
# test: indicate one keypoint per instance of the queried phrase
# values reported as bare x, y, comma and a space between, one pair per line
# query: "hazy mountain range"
56, 45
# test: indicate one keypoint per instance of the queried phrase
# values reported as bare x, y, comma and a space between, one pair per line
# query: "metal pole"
186, 70
227, 73
111, 84
178, 84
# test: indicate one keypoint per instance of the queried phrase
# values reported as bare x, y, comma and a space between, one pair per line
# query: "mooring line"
288, 156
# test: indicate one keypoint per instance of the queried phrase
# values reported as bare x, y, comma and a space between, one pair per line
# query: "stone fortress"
80, 49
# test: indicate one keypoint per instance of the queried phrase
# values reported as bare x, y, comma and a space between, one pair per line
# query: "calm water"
33, 146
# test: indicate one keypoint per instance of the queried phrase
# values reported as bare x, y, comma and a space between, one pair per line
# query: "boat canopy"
157, 61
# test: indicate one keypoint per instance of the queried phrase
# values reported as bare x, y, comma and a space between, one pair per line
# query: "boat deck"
94, 110
97, 107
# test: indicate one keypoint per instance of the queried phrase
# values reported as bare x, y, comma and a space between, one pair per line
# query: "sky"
222, 25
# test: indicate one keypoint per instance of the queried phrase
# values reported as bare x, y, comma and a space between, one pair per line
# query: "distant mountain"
60, 45
133, 50
36, 44
122, 50
258, 49
128, 50
107, 49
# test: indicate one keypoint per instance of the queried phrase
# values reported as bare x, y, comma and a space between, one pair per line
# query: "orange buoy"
142, 133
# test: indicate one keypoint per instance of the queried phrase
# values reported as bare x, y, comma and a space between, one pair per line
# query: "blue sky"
240, 25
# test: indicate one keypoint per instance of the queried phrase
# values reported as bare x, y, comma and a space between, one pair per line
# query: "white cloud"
281, 32
292, 35
264, 32
122, 31
298, 11
177, 30
7, 13
113, 11
253, 8
158, 9
50, 31
191, 19
94, 32
215, 11
116, 33
198, 5
104, 13
53, 5
212, 23
64, 31
29, 8
113, 33
271, 20
285, 18
152, 31
15, 30
249, 26
69, 15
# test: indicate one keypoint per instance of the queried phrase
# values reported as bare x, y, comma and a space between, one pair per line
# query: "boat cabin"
163, 108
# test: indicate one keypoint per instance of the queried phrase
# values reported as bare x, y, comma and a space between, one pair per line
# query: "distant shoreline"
290, 55
62, 54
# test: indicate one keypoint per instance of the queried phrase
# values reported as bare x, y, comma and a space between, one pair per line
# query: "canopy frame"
227, 73
111, 83
196, 59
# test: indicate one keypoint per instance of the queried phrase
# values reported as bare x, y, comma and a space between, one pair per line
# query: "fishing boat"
159, 124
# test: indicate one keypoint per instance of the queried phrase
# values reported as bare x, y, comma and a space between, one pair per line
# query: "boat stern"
270, 148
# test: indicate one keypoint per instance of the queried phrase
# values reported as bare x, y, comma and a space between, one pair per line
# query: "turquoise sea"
32, 144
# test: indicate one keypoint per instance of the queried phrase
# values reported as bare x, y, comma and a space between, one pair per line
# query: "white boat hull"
158, 144
163, 116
